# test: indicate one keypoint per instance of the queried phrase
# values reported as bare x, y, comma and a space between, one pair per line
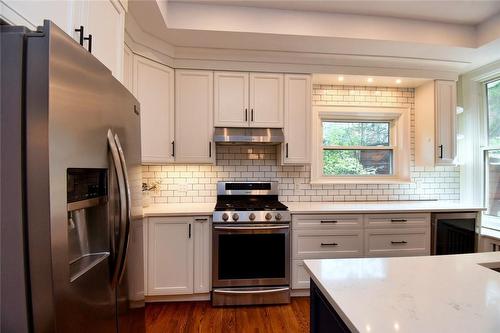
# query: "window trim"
488, 221
399, 142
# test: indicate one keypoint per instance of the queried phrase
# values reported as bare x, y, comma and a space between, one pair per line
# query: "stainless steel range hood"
235, 135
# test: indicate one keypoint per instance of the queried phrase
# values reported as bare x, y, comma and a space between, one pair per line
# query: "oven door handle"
254, 228
263, 291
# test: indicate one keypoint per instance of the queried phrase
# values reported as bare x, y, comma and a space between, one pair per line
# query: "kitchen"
229, 166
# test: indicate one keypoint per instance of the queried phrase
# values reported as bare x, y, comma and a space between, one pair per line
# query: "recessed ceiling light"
370, 80
341, 78
398, 81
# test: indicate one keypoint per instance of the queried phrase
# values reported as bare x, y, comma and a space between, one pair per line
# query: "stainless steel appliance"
454, 233
250, 245
71, 189
236, 135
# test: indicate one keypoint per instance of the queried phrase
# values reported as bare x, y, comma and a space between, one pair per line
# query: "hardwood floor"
188, 317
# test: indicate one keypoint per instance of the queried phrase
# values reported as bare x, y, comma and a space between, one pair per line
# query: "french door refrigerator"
71, 210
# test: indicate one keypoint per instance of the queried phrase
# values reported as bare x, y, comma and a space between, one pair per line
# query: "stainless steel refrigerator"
71, 210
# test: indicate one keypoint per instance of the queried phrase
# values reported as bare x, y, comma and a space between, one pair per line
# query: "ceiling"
362, 80
450, 11
320, 36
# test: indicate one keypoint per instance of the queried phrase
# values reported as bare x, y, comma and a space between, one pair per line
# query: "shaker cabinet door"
105, 21
170, 256
446, 104
297, 146
266, 100
231, 99
154, 88
194, 116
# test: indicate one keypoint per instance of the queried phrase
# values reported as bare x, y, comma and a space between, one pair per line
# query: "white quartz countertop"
413, 294
183, 209
380, 207
180, 209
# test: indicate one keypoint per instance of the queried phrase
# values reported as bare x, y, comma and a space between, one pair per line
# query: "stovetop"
249, 203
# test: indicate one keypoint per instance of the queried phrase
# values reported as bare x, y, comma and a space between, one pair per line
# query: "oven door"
251, 255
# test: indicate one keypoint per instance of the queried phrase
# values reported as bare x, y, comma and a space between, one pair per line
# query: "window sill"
360, 180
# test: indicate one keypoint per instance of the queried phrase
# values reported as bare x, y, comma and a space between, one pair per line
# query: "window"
361, 145
492, 155
357, 148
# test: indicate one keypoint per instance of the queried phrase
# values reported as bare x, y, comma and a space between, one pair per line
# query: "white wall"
196, 183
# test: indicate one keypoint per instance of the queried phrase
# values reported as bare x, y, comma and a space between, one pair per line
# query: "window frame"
399, 132
489, 221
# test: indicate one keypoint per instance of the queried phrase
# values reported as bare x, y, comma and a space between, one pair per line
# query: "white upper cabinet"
266, 100
248, 99
128, 68
154, 88
446, 106
194, 116
435, 117
231, 99
297, 129
105, 21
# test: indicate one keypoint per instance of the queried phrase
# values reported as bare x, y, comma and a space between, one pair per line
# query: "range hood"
236, 135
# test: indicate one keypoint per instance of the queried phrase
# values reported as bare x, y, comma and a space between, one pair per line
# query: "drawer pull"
399, 242
201, 219
399, 220
329, 244
329, 221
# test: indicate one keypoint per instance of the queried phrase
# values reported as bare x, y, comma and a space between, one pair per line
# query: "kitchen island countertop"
450, 293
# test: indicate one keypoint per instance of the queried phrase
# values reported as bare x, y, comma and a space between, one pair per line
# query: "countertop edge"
330, 299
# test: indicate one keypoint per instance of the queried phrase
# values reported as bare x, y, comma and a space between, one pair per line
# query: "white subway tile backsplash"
197, 183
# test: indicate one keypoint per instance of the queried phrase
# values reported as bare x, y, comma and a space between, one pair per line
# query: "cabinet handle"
329, 244
80, 31
210, 149
173, 148
189, 230
201, 219
246, 114
440, 151
286, 150
251, 115
399, 242
329, 221
89, 38
399, 220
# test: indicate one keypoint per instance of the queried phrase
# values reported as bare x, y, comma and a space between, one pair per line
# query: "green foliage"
493, 91
348, 162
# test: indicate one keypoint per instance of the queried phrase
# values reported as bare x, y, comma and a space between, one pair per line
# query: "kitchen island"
454, 293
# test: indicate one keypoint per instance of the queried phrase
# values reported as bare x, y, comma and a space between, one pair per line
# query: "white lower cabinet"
330, 236
178, 256
397, 242
489, 244
317, 244
300, 277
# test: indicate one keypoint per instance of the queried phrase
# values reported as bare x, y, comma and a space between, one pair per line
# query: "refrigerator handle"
126, 234
118, 255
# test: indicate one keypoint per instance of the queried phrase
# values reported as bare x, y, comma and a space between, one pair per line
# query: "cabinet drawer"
316, 244
329, 221
397, 242
397, 220
300, 277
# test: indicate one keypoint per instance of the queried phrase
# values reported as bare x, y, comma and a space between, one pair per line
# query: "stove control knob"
269, 216
251, 216
278, 216
225, 217
236, 217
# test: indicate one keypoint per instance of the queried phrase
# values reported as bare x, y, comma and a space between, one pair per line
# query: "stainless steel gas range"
250, 245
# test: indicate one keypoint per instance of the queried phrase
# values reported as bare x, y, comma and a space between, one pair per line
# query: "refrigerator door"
72, 101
